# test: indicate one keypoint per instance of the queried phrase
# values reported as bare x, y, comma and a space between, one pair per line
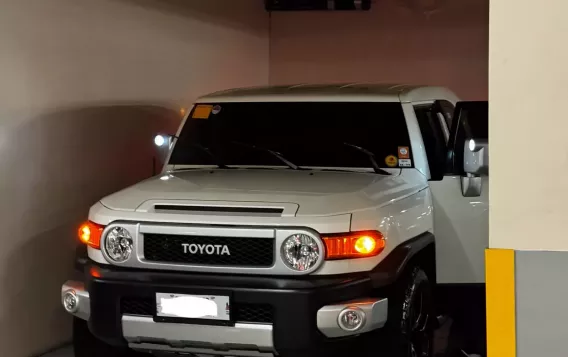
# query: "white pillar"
528, 92
528, 86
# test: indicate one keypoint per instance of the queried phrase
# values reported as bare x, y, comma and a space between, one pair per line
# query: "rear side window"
434, 139
447, 110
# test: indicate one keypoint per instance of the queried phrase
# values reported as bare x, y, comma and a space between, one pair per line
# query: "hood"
313, 192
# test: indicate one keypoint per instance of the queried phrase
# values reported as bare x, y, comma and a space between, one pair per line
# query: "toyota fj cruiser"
292, 221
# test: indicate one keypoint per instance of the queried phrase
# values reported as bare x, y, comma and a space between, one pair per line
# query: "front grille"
138, 306
251, 252
254, 313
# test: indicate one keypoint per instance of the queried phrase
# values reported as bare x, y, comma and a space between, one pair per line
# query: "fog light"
351, 319
71, 301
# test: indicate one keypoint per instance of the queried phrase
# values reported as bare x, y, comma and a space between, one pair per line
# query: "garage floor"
62, 352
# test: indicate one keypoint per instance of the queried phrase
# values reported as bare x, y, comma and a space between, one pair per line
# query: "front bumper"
304, 319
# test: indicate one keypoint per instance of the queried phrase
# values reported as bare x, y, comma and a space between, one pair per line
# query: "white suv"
292, 221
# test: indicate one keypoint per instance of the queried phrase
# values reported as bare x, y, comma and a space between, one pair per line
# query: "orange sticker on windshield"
202, 112
391, 161
403, 152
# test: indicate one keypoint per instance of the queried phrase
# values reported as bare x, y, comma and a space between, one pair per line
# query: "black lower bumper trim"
294, 307
294, 302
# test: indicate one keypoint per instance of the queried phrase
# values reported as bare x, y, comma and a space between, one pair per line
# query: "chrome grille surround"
279, 234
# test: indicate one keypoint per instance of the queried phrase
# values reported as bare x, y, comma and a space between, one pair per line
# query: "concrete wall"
84, 85
398, 41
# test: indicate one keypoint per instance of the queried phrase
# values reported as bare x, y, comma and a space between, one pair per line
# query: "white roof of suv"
333, 93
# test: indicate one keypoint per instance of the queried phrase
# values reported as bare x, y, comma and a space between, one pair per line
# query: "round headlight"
118, 244
300, 252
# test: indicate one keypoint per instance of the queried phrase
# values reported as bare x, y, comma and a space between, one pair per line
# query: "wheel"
409, 331
87, 345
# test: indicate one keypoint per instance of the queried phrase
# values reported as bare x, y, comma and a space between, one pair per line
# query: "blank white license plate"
206, 307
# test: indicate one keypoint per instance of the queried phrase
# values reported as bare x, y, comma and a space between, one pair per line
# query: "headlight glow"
352, 245
90, 234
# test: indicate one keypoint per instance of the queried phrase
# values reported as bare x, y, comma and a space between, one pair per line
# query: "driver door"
461, 215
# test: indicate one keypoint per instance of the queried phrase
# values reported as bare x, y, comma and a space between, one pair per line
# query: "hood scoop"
220, 210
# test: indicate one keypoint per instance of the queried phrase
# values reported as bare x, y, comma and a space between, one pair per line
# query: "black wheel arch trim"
394, 264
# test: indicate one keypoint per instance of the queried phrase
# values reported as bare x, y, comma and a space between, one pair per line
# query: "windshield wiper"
206, 150
371, 157
271, 152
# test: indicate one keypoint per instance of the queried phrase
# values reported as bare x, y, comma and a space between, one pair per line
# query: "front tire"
87, 345
410, 326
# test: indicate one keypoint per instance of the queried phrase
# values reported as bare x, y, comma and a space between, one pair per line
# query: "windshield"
306, 134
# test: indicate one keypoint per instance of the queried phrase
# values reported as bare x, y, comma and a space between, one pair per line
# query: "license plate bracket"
201, 309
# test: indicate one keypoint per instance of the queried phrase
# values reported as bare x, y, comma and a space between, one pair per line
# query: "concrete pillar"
527, 263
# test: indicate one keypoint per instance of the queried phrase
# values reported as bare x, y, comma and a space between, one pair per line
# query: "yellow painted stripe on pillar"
501, 312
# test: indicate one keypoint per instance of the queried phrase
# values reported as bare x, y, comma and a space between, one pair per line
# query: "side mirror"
475, 164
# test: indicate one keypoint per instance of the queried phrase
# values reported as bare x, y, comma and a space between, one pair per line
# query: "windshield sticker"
202, 112
216, 110
403, 152
391, 161
405, 163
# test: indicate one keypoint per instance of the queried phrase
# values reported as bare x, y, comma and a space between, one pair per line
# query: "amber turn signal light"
354, 245
90, 234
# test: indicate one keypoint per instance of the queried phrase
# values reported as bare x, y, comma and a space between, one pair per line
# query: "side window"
471, 120
434, 139
447, 109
